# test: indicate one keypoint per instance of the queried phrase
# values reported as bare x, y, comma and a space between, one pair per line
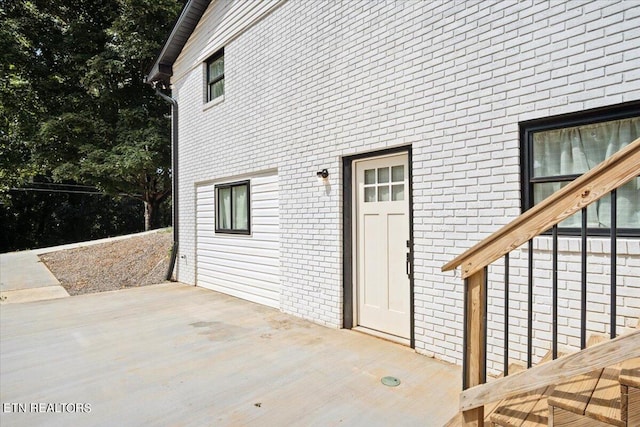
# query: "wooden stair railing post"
474, 353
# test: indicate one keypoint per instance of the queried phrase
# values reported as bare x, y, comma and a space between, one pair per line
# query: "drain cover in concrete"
390, 381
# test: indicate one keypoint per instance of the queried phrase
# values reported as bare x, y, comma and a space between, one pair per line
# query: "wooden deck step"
602, 398
630, 392
581, 401
560, 418
527, 410
532, 409
630, 373
574, 394
539, 415
599, 396
490, 408
604, 404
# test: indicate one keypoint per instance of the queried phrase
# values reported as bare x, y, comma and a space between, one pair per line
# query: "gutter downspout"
174, 178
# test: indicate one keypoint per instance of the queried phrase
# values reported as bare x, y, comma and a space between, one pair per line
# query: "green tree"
37, 219
83, 112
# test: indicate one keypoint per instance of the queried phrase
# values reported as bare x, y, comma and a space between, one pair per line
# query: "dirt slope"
137, 261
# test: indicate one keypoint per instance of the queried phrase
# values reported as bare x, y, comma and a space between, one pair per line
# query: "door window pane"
370, 194
383, 193
397, 173
383, 175
370, 176
397, 192
384, 184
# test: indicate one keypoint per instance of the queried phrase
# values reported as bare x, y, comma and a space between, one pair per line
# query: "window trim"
528, 128
208, 82
232, 230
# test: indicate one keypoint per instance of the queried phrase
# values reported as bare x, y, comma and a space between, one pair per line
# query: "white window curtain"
578, 149
224, 208
215, 78
240, 214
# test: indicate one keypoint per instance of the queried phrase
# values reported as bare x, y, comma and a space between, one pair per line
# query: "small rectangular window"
376, 182
215, 76
557, 151
233, 208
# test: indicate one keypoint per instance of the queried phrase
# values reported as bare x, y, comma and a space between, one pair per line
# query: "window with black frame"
557, 151
215, 75
233, 208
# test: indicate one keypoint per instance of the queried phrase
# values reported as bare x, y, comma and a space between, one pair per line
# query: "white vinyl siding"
246, 267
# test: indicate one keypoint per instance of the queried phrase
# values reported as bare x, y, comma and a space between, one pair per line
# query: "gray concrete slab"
178, 355
23, 270
32, 294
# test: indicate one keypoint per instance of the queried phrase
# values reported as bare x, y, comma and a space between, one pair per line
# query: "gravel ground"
128, 263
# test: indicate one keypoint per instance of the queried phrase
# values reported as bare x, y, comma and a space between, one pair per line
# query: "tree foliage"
42, 219
73, 103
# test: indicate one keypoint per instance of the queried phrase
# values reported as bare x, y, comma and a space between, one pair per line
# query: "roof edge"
162, 68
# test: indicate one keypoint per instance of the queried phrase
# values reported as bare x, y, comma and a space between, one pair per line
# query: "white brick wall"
314, 81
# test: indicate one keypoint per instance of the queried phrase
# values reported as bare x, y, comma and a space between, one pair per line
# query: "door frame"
348, 274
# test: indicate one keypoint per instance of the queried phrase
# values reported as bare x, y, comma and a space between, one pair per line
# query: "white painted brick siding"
314, 81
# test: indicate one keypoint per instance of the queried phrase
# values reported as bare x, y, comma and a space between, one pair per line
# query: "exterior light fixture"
322, 175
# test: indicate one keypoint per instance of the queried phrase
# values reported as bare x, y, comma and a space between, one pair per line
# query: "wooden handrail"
614, 172
599, 356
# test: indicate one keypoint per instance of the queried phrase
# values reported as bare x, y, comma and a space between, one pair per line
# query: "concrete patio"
178, 355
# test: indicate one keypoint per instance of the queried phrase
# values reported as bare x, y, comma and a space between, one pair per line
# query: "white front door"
382, 235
